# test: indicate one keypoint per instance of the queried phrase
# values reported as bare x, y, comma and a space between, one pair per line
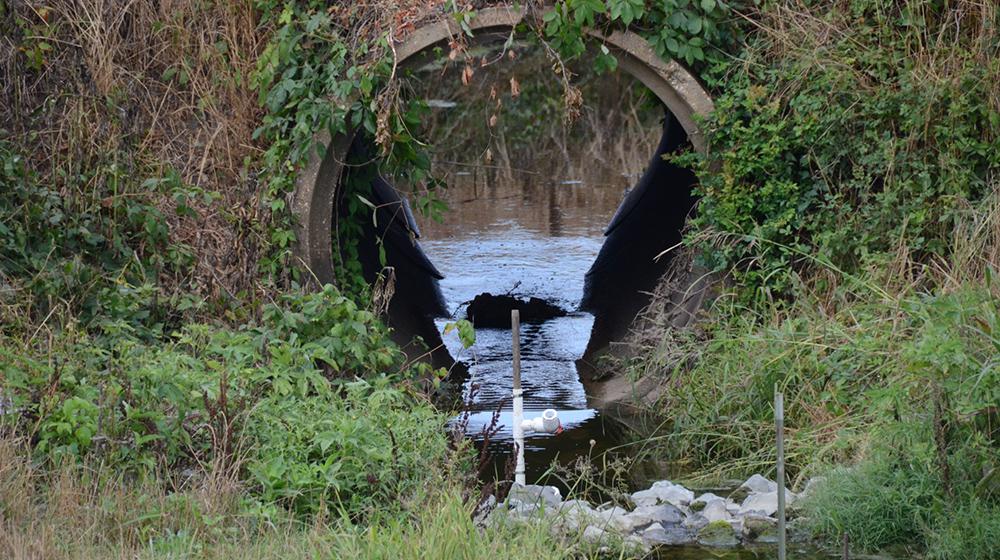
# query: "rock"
523, 510
718, 534
811, 486
665, 514
493, 311
660, 535
661, 492
576, 505
481, 514
535, 494
695, 522
613, 517
595, 534
798, 531
756, 484
637, 547
573, 514
765, 503
716, 510
760, 529
699, 503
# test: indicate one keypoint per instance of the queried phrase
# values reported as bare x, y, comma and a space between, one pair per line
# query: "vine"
326, 68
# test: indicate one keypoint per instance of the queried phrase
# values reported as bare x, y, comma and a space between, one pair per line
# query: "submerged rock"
493, 311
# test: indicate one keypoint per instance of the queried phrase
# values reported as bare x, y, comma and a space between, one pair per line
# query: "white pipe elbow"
548, 422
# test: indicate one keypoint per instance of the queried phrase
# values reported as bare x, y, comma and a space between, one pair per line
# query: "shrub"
881, 502
843, 134
309, 402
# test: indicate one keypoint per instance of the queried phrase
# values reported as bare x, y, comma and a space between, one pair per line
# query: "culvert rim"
317, 182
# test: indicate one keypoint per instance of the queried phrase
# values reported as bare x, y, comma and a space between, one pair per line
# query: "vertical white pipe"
518, 416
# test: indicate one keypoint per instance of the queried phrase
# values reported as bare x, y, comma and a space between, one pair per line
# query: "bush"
842, 134
309, 402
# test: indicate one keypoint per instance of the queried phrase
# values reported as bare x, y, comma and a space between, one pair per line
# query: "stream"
527, 237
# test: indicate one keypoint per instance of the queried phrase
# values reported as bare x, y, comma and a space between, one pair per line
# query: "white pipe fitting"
548, 422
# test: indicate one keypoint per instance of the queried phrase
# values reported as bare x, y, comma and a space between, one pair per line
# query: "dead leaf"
515, 87
493, 121
493, 92
489, 155
467, 75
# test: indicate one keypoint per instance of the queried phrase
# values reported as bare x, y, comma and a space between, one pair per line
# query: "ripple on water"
508, 255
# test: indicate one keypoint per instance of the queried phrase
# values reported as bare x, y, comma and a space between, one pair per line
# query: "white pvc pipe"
519, 436
515, 326
548, 422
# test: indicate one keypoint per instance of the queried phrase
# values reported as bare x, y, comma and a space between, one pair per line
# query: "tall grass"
894, 368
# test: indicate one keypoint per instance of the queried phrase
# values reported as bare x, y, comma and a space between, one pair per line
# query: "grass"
891, 381
134, 343
93, 511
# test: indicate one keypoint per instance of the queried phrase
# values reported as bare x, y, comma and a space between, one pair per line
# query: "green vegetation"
93, 511
851, 200
168, 388
854, 132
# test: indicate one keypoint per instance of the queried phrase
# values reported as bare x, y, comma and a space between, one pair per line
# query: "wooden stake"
515, 327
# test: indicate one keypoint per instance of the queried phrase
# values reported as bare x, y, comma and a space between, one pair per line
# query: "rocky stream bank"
665, 514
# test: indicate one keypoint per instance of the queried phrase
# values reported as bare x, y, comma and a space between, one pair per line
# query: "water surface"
528, 238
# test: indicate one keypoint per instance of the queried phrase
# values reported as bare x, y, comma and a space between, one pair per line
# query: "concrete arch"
316, 184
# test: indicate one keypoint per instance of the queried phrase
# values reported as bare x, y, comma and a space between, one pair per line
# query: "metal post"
779, 423
518, 415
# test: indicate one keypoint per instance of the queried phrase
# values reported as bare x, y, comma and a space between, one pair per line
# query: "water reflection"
483, 200
515, 233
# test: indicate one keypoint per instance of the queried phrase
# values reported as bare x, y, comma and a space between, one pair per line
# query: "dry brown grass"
91, 510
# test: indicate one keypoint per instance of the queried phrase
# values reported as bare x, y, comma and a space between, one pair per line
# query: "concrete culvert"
650, 218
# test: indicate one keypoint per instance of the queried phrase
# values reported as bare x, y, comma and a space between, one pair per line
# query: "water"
538, 240
528, 238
